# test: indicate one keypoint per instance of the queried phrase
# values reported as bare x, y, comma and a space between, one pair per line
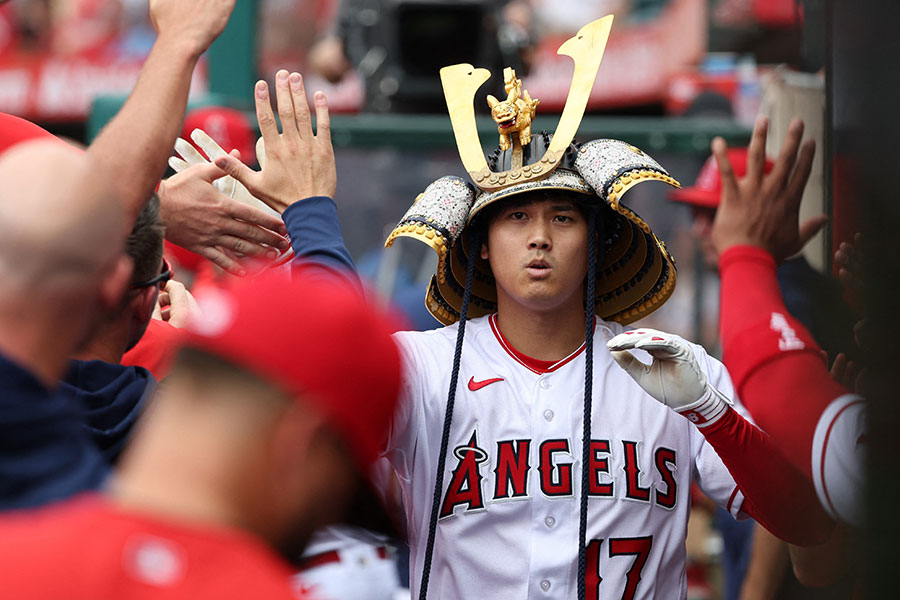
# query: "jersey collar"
532, 364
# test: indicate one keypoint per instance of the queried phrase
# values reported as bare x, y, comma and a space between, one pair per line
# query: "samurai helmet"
636, 273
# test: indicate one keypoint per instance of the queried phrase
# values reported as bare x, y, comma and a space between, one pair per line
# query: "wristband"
707, 410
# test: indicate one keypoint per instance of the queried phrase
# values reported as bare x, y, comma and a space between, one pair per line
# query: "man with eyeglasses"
114, 395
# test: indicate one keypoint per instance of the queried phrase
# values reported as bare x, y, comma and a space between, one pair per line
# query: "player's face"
538, 254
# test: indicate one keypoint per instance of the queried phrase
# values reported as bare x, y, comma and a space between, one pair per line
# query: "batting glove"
226, 184
673, 378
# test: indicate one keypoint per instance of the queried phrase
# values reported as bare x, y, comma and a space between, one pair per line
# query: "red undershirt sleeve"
775, 493
776, 366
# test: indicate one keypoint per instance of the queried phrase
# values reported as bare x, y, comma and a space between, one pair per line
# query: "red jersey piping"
532, 364
825, 446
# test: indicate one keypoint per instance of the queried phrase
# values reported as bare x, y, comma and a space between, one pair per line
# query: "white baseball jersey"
838, 458
360, 568
510, 503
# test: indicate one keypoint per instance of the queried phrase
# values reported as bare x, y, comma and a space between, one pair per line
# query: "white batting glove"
226, 184
673, 378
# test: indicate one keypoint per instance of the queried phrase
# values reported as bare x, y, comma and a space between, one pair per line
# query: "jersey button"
545, 585
548, 414
545, 385
549, 521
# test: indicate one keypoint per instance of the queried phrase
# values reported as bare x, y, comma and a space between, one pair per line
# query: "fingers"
660, 347
264, 115
208, 172
726, 171
157, 311
187, 151
810, 228
285, 101
181, 304
787, 158
177, 164
219, 258
838, 367
756, 154
630, 339
246, 248
253, 216
301, 106
232, 166
207, 144
629, 363
256, 235
323, 119
801, 173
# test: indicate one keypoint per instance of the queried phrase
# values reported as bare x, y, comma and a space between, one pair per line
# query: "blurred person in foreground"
257, 438
63, 266
756, 562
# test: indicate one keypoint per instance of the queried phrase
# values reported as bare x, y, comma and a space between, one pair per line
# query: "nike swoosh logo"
477, 385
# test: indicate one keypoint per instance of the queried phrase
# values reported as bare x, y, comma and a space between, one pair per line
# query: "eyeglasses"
163, 277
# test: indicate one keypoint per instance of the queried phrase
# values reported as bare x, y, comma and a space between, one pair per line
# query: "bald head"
58, 220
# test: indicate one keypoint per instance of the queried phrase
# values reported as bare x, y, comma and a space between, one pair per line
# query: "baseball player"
494, 472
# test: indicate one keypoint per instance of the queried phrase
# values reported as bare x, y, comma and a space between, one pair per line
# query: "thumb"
207, 172
232, 166
809, 228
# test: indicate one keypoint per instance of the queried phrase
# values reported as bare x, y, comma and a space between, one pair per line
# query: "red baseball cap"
231, 128
315, 336
14, 130
707, 190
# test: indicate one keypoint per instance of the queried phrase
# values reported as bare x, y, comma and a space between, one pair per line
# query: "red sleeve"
775, 364
775, 493
156, 349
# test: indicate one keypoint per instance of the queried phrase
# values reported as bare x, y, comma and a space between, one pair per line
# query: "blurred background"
675, 74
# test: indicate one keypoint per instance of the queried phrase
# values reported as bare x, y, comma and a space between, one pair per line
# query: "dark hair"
145, 243
582, 202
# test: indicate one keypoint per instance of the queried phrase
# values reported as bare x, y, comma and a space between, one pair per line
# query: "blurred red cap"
707, 190
317, 338
14, 130
229, 127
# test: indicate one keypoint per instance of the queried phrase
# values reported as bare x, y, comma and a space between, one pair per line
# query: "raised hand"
673, 378
196, 23
764, 209
204, 220
298, 164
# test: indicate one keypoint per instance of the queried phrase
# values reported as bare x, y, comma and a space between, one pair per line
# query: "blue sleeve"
316, 236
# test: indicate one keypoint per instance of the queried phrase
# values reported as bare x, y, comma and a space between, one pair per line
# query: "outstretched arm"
774, 361
778, 496
134, 146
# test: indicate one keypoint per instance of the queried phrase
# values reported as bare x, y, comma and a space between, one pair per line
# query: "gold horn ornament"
460, 82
